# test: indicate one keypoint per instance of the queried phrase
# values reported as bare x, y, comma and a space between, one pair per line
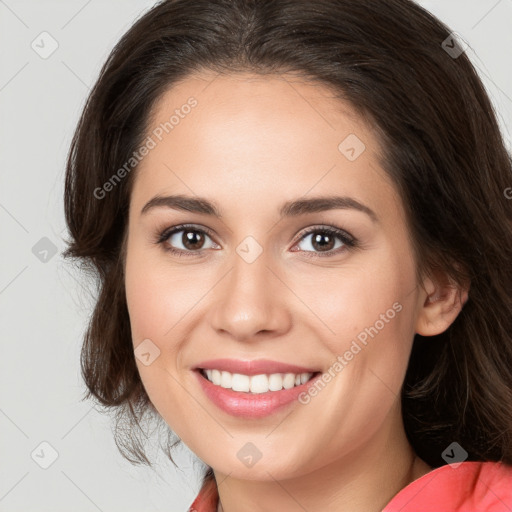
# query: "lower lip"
251, 405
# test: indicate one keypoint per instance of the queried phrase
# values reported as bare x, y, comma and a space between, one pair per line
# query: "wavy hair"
440, 144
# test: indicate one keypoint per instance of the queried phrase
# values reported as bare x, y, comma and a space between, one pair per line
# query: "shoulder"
464, 487
207, 499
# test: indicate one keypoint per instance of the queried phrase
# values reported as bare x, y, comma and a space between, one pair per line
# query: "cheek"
369, 310
156, 298
149, 306
155, 307
350, 300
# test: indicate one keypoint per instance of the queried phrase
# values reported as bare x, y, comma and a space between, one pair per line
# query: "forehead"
256, 136
248, 106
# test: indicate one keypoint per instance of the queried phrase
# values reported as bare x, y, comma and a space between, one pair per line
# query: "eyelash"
349, 242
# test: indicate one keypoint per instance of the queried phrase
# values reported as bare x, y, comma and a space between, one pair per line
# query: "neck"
363, 481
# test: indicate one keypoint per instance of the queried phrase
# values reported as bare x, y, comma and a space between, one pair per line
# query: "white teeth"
259, 384
275, 382
256, 383
225, 379
240, 382
215, 377
289, 381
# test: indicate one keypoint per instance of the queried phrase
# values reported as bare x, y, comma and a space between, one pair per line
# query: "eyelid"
348, 240
167, 232
327, 229
164, 235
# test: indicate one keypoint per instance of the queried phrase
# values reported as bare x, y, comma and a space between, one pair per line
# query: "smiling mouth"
256, 384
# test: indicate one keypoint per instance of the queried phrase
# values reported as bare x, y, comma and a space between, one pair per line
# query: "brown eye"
192, 240
325, 241
183, 239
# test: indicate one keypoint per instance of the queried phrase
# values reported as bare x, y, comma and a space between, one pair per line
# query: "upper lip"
254, 367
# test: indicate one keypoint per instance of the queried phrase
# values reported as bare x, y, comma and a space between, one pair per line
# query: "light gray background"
45, 304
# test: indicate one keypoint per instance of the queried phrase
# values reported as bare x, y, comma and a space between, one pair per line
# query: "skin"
249, 145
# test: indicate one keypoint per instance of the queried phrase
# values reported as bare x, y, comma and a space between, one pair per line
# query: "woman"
297, 212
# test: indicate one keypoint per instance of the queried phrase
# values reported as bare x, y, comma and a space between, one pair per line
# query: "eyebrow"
288, 209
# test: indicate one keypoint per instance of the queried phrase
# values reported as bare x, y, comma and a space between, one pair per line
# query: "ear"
439, 304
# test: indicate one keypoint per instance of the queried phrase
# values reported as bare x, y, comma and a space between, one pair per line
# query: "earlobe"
440, 304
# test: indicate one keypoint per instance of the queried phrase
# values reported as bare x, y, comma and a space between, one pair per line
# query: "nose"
251, 302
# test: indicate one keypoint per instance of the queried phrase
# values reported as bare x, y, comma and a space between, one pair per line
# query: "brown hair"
441, 146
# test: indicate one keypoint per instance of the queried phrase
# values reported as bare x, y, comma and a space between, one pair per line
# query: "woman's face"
252, 285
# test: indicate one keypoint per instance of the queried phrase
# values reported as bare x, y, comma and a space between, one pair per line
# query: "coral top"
467, 487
